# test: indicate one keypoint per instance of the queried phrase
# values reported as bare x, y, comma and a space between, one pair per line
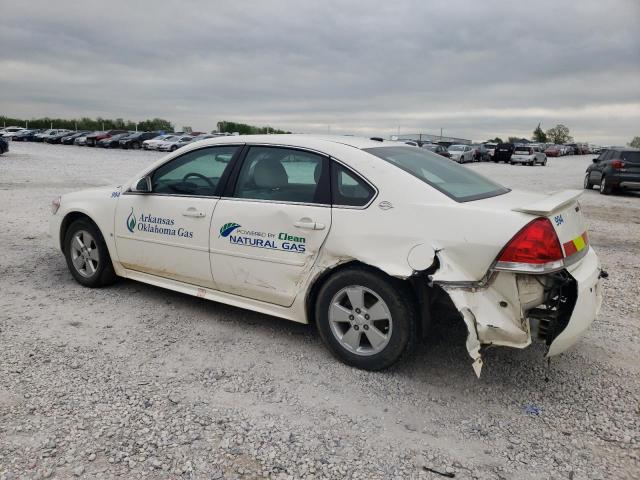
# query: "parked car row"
106, 139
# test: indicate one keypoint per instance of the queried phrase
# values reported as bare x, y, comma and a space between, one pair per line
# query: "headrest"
269, 173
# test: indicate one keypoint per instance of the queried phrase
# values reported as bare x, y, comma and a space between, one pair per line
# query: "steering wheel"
199, 175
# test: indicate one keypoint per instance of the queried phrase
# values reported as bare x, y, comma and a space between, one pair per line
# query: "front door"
266, 236
166, 232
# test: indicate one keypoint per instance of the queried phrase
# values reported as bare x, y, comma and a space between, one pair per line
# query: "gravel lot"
133, 381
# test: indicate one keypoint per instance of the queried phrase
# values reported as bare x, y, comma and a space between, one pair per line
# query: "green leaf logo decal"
131, 221
227, 228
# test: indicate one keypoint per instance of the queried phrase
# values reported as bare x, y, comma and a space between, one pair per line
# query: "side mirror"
596, 160
143, 185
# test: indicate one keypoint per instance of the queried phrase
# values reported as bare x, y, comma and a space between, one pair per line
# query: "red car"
553, 151
94, 138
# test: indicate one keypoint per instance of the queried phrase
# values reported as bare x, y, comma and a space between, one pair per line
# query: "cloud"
477, 69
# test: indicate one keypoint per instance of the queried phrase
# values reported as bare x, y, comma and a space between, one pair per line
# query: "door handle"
192, 212
309, 225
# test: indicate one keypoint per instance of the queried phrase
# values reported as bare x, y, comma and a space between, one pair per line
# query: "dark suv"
135, 140
616, 168
503, 152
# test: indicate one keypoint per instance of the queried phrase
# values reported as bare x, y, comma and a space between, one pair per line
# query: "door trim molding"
161, 242
257, 257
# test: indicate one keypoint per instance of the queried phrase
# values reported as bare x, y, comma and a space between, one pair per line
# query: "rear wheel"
605, 188
87, 255
366, 319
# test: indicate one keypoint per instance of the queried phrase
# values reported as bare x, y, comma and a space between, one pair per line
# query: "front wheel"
587, 182
135, 146
366, 319
87, 255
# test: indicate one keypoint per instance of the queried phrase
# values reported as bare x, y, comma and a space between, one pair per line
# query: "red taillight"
617, 164
534, 249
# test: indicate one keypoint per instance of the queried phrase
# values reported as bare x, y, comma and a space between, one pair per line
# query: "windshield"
450, 178
456, 147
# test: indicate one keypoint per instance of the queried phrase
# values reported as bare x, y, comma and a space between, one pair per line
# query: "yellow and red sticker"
576, 245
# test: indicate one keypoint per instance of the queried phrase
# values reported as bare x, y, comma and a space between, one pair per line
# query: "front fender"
97, 204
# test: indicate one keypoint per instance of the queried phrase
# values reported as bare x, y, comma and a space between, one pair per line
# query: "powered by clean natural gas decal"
257, 239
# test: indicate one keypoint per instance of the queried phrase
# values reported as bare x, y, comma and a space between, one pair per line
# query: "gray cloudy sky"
475, 68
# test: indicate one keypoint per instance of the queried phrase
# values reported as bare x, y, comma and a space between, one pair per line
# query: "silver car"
461, 153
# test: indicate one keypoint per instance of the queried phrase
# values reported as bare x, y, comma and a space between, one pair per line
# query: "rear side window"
450, 178
348, 189
631, 157
282, 175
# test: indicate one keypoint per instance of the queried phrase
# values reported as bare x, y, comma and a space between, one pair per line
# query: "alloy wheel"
360, 320
84, 253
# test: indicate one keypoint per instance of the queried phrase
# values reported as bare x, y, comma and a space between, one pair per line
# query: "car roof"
303, 140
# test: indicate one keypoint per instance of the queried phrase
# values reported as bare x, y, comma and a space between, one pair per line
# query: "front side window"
457, 182
195, 173
282, 175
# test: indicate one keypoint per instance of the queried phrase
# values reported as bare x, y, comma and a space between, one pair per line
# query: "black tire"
605, 188
173, 148
401, 306
135, 146
587, 183
104, 273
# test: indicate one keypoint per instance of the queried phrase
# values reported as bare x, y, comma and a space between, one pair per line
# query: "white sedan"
154, 142
171, 144
461, 153
367, 239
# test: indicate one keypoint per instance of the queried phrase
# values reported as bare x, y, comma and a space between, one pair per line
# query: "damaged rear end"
544, 285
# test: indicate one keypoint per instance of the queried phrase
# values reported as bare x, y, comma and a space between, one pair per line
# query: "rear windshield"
522, 150
632, 157
452, 179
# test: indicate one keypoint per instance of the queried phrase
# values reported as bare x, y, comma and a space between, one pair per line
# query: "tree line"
86, 123
244, 129
558, 134
149, 125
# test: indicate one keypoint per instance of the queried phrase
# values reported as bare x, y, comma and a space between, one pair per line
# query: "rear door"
268, 229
